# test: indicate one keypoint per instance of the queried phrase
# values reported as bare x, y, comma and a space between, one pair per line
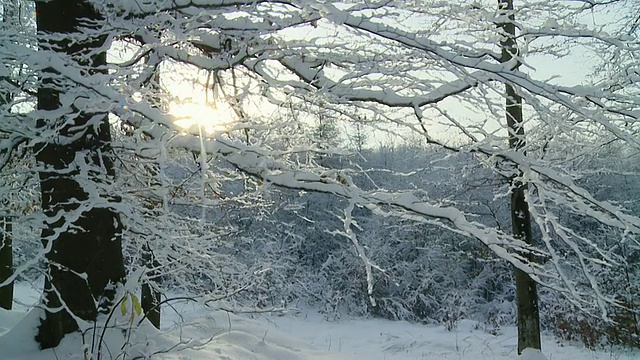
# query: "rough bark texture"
85, 259
526, 289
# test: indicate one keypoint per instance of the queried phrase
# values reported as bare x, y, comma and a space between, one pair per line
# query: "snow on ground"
195, 333
377, 339
191, 332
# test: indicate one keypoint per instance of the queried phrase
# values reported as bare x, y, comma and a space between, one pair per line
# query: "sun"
209, 117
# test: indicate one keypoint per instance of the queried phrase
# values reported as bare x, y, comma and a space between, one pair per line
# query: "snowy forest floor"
193, 332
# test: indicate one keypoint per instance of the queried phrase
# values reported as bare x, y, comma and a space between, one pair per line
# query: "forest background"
248, 154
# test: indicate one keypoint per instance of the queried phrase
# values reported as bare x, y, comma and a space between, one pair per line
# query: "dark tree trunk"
150, 300
85, 260
6, 263
526, 289
10, 18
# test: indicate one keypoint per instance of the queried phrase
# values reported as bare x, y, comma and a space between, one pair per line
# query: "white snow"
532, 354
193, 332
377, 339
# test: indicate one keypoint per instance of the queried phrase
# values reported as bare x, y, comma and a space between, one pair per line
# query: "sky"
193, 102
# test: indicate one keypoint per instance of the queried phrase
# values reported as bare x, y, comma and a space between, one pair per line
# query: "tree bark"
10, 18
85, 261
150, 297
6, 262
526, 288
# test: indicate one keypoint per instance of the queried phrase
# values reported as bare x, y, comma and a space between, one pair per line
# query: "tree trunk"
10, 18
526, 289
150, 299
6, 263
85, 261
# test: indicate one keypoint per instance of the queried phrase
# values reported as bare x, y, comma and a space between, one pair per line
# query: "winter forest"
178, 177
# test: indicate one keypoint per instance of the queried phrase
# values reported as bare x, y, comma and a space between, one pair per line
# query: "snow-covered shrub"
428, 274
619, 281
586, 325
291, 254
433, 276
575, 324
19, 202
304, 264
